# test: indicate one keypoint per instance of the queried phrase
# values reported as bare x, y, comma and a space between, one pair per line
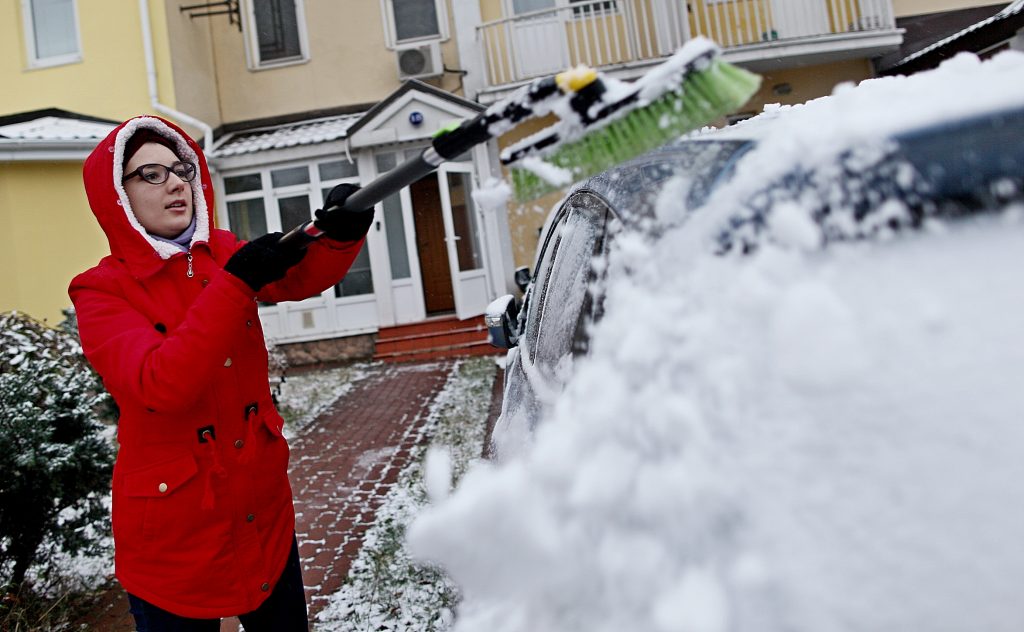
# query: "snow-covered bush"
55, 460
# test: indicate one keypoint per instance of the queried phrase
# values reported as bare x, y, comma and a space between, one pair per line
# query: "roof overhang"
20, 150
815, 50
391, 121
979, 38
50, 135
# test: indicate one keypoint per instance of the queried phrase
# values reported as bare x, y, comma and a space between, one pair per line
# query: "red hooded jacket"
203, 521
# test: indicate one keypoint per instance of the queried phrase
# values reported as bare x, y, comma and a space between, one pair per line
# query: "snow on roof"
1011, 9
289, 135
55, 128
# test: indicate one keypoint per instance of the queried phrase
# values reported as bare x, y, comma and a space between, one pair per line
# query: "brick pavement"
341, 469
345, 465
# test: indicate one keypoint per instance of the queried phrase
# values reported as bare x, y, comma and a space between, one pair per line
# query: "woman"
202, 508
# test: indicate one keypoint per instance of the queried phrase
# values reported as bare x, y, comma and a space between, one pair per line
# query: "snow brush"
601, 122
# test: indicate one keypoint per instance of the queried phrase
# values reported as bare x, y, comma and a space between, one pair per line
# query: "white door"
539, 46
800, 18
463, 236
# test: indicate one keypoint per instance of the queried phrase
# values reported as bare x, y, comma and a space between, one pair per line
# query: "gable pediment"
411, 114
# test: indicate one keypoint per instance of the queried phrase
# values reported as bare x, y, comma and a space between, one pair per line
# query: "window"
590, 8
282, 198
247, 215
394, 223
460, 187
277, 32
413, 20
51, 32
359, 278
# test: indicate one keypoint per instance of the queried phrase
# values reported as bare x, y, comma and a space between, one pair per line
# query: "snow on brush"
802, 439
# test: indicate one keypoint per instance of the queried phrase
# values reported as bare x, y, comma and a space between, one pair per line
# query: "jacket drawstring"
216, 470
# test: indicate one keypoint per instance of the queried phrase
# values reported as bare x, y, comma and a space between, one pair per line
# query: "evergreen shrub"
55, 455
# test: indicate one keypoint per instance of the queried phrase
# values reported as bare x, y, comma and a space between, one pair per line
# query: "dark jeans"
283, 611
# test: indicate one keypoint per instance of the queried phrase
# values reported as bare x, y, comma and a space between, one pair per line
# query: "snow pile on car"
795, 439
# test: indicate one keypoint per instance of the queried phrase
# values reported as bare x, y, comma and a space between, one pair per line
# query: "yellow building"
294, 96
291, 97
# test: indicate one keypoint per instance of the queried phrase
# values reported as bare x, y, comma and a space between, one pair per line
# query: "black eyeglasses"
158, 174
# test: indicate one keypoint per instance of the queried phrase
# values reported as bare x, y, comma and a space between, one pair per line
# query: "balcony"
622, 37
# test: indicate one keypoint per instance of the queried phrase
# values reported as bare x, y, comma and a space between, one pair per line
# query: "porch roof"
286, 135
50, 134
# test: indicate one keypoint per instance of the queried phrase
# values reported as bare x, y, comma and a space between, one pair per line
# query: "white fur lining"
165, 250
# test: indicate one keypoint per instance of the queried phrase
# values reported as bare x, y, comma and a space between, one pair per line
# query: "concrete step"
430, 341
430, 326
436, 353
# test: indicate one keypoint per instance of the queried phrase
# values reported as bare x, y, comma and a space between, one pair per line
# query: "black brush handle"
395, 180
444, 147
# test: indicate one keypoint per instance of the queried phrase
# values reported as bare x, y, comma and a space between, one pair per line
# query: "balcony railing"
605, 33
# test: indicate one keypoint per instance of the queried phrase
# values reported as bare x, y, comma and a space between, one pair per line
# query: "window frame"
313, 190
252, 44
593, 10
28, 28
391, 29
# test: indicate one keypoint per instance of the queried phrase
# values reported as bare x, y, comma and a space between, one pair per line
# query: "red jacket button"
265, 587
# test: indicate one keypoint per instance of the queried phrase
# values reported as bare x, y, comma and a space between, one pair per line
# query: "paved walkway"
341, 469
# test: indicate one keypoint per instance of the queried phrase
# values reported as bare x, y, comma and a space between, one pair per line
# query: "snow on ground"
302, 397
803, 439
386, 589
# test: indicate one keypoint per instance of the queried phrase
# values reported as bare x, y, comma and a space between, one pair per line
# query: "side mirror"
522, 278
501, 317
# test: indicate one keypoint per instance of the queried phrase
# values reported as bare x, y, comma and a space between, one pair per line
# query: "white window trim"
558, 9
270, 194
252, 45
390, 36
30, 40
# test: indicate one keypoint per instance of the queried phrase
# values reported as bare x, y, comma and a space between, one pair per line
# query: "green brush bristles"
703, 97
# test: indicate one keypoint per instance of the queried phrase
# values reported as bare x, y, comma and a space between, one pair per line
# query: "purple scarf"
184, 239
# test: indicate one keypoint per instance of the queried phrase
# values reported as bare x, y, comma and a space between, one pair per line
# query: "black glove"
263, 260
343, 225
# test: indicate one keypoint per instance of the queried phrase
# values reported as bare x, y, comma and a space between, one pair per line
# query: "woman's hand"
263, 260
343, 225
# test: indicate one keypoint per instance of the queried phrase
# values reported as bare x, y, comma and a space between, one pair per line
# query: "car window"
532, 300
564, 293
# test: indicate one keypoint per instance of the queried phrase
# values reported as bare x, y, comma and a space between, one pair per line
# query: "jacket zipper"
189, 273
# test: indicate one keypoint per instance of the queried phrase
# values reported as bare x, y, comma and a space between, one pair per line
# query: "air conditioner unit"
419, 60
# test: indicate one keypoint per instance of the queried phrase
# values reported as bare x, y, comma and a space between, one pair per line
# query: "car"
956, 167
768, 378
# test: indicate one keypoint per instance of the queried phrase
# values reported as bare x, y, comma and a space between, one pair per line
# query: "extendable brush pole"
395, 180
598, 127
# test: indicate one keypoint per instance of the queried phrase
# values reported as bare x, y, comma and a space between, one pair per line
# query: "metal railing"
620, 32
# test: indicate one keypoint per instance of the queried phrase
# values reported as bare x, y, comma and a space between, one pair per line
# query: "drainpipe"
147, 44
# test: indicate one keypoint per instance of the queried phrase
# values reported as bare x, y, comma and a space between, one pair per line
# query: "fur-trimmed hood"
102, 173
